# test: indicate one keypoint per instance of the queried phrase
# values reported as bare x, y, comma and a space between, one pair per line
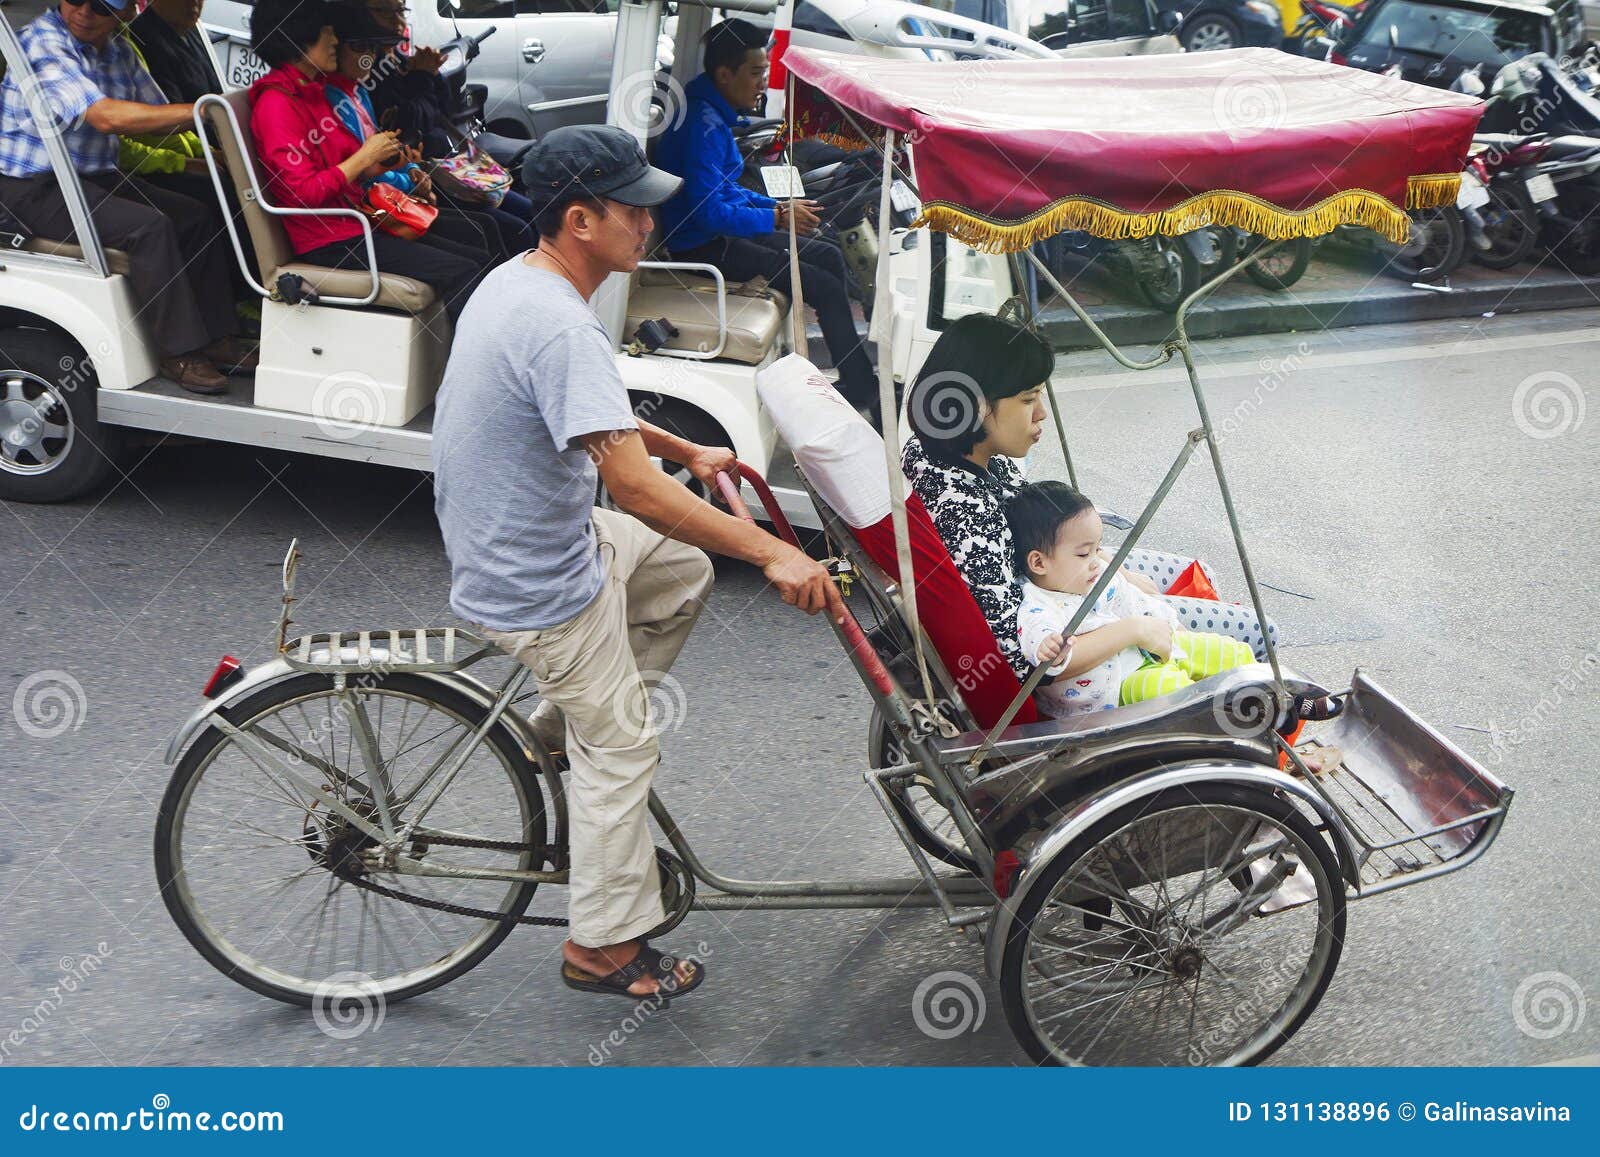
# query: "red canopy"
1011, 151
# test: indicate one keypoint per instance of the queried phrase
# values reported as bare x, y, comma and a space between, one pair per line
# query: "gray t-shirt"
531, 370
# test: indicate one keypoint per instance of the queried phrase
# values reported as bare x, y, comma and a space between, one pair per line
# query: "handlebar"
849, 629
468, 45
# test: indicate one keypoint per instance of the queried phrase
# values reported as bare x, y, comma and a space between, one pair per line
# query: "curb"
1390, 303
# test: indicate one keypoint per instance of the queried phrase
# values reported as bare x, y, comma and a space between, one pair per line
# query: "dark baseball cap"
356, 26
594, 161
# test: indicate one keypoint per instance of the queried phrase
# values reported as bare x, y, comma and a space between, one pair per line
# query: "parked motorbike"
1165, 270
1281, 268
1558, 174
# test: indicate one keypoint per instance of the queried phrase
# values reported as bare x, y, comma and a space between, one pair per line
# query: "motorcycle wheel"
1511, 225
1281, 268
1438, 243
1165, 270
1576, 248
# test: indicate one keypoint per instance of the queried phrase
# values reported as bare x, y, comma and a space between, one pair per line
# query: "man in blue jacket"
716, 220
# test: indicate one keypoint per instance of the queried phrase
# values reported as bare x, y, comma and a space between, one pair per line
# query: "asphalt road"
1420, 499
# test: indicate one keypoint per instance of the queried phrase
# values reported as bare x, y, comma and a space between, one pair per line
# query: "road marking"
1279, 359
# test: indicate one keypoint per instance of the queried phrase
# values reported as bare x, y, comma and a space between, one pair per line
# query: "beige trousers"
599, 668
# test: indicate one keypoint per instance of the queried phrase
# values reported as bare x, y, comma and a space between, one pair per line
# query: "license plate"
244, 67
901, 196
1541, 188
1472, 194
782, 181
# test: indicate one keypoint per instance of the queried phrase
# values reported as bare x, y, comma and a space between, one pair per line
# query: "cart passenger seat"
116, 259
688, 300
273, 253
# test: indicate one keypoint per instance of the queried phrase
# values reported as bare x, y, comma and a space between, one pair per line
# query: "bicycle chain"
544, 850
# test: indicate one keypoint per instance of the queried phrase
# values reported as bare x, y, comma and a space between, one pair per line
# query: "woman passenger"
310, 160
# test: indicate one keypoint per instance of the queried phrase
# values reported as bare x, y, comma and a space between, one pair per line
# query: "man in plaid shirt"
87, 87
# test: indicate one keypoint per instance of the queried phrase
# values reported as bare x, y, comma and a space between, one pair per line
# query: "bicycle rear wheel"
291, 899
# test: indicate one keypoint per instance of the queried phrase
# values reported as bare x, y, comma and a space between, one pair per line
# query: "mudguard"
1096, 807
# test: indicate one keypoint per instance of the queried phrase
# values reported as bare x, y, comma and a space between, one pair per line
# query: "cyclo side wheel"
1137, 946
931, 824
294, 901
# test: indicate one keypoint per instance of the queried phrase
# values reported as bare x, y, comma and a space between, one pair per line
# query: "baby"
1126, 649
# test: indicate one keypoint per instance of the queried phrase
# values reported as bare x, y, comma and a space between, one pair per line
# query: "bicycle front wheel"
293, 899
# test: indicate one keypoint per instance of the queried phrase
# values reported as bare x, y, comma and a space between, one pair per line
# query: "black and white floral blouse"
967, 505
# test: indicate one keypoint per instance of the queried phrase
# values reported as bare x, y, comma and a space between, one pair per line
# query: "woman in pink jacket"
310, 160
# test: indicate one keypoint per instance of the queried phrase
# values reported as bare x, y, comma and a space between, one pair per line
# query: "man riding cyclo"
596, 603
88, 87
718, 221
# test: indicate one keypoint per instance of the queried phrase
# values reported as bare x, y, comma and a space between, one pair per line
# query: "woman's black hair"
728, 43
979, 358
282, 30
1035, 514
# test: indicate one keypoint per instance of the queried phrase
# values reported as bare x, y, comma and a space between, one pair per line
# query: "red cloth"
299, 144
950, 616
1193, 584
1003, 140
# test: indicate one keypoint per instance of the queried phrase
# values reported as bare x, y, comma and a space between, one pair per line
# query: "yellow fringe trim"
1222, 207
1432, 190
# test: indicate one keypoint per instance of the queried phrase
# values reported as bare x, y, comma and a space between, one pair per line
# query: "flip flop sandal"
651, 962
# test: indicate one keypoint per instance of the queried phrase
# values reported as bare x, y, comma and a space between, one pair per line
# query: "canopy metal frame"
1180, 346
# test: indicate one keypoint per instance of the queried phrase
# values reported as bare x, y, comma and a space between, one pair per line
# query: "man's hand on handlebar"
706, 462
803, 582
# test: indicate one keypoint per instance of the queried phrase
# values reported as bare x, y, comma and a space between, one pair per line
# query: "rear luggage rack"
1416, 805
437, 649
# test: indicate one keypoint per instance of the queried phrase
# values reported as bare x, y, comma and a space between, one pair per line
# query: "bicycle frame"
444, 653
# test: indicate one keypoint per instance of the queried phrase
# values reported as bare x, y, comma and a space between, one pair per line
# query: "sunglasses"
95, 6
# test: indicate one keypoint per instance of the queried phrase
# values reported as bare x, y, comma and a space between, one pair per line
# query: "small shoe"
195, 373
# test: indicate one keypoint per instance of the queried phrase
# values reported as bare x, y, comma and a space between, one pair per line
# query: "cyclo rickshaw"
1162, 883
